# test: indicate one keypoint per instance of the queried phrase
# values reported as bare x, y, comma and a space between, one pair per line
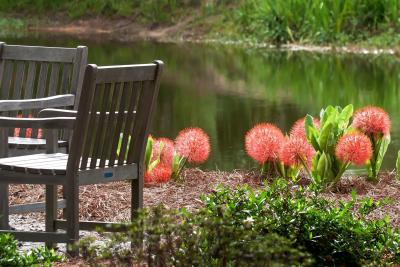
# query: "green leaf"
376, 163
149, 152
326, 114
344, 117
324, 135
322, 165
384, 144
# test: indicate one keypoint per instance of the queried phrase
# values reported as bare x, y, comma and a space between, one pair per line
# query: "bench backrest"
114, 115
31, 72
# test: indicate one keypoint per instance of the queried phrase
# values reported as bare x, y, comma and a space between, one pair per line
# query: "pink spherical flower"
355, 148
372, 120
298, 129
263, 142
160, 174
295, 151
193, 144
167, 152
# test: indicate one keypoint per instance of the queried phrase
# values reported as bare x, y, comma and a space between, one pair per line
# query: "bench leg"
51, 211
72, 216
4, 207
137, 203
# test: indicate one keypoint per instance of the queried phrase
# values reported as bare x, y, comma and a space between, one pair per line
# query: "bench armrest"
53, 112
38, 103
43, 123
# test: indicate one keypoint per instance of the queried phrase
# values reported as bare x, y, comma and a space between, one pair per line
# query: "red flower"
28, 131
167, 152
298, 129
295, 150
263, 142
372, 120
193, 144
354, 147
160, 174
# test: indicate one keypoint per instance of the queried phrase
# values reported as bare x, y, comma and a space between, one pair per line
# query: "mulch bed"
111, 202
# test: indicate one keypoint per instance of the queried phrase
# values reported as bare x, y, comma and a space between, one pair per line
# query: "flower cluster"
193, 144
354, 148
296, 152
372, 121
168, 158
298, 129
266, 144
331, 147
263, 142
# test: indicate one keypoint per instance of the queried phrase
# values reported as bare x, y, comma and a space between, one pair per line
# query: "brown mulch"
111, 202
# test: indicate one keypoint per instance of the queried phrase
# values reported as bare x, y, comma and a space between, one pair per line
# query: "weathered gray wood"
65, 79
2, 62
91, 122
129, 122
28, 91
110, 147
19, 79
53, 84
79, 68
44, 123
128, 73
52, 112
119, 124
4, 207
3, 143
51, 211
101, 129
78, 142
23, 143
7, 79
38, 236
106, 175
37, 53
30, 80
34, 207
38, 103
130, 115
12, 177
41, 88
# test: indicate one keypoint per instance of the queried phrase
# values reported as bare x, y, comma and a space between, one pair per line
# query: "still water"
226, 90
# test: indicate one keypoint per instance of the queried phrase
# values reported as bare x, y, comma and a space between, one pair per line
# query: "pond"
226, 90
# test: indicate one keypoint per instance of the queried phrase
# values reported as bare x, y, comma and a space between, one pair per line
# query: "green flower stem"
306, 167
181, 166
340, 173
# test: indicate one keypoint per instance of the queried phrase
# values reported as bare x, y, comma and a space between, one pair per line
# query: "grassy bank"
366, 22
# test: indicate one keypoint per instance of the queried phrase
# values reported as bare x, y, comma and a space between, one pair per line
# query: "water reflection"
226, 90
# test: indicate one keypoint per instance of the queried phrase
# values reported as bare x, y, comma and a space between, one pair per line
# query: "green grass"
315, 21
271, 21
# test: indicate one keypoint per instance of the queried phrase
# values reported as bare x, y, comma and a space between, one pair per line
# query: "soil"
187, 29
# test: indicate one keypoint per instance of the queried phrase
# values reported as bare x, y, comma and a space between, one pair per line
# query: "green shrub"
318, 20
328, 231
10, 257
173, 238
279, 225
334, 123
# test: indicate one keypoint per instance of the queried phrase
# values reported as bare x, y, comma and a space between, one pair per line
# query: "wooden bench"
115, 110
33, 78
